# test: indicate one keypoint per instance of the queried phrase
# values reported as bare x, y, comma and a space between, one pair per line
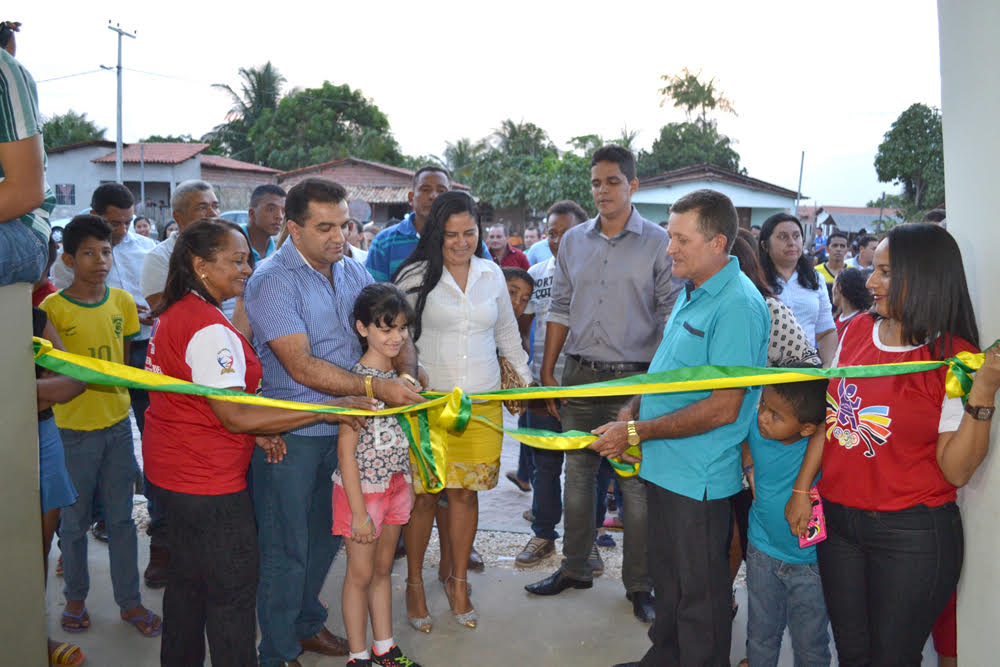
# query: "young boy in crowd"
519, 286
783, 583
95, 320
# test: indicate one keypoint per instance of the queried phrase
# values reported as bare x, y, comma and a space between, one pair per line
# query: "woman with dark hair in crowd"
197, 450
792, 278
894, 450
850, 296
464, 316
168, 229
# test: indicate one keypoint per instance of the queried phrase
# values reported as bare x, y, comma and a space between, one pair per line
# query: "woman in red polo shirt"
894, 451
197, 450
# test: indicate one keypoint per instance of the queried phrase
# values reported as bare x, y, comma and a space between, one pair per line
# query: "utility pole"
118, 140
798, 193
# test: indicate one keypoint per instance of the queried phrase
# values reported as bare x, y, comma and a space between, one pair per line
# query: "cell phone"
816, 530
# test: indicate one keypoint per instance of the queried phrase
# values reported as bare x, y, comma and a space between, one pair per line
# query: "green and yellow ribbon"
427, 424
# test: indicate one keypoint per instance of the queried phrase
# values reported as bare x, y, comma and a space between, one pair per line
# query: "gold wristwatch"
633, 435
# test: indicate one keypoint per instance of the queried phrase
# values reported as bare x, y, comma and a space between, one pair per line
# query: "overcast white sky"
826, 78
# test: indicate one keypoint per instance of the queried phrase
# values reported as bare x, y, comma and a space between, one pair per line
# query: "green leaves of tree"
69, 128
912, 154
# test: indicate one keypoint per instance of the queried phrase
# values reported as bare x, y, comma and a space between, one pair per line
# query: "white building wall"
970, 96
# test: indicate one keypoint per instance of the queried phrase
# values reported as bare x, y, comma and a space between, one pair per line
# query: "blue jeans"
293, 502
546, 485
783, 594
101, 461
23, 254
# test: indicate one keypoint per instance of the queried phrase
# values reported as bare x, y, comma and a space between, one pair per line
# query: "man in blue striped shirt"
300, 304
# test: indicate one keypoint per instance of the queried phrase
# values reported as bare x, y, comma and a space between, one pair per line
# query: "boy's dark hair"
865, 240
262, 191
83, 227
851, 282
567, 207
935, 215
111, 194
808, 398
380, 304
619, 155
838, 234
318, 190
516, 273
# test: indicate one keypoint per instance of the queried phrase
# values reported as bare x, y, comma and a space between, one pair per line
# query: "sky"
825, 78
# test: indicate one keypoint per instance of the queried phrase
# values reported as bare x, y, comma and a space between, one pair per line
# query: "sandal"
65, 654
424, 624
153, 623
468, 587
71, 622
469, 619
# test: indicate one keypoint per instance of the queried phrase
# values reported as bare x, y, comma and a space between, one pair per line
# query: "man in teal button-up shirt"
691, 440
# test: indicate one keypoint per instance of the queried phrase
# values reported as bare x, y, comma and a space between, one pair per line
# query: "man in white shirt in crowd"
866, 253
354, 238
546, 501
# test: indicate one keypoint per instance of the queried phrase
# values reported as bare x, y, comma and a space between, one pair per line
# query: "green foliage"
321, 124
912, 155
697, 140
689, 92
69, 128
519, 166
687, 144
260, 90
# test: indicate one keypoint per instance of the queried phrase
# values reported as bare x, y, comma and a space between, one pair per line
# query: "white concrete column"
22, 596
970, 97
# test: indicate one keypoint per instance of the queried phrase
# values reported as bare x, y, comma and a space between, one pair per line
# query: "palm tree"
460, 157
260, 91
521, 139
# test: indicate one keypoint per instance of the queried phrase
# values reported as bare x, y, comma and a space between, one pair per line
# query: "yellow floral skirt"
473, 461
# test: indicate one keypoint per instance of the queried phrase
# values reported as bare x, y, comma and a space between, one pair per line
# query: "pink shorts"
391, 507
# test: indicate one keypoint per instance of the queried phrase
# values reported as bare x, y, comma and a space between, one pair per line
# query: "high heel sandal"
424, 624
469, 619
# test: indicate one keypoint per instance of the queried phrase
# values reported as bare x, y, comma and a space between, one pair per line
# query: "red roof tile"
220, 162
156, 153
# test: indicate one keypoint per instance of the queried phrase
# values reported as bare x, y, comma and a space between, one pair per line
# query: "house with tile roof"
377, 191
150, 168
755, 200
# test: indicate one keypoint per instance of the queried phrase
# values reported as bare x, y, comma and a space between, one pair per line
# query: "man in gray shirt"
612, 292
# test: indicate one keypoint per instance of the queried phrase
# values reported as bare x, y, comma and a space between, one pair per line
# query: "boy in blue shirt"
783, 583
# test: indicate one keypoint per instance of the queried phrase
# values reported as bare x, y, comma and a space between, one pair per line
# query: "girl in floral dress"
372, 489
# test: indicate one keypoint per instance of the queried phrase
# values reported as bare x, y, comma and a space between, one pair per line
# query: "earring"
203, 276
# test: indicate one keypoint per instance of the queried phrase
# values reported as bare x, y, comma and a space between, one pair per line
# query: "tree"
687, 144
260, 91
912, 155
69, 128
688, 92
518, 166
697, 140
321, 124
460, 157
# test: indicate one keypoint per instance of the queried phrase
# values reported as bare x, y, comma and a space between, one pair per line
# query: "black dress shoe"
627, 664
642, 606
100, 531
556, 584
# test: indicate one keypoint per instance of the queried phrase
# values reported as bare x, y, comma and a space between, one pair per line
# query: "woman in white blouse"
793, 279
464, 317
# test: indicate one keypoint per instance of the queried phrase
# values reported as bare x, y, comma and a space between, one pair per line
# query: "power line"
68, 76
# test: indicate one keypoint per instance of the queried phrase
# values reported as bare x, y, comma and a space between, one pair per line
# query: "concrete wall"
234, 187
741, 196
970, 95
22, 600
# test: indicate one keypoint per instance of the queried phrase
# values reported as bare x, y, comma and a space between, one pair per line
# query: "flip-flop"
77, 621
147, 619
66, 654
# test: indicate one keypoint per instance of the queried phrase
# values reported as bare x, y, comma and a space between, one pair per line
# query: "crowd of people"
249, 505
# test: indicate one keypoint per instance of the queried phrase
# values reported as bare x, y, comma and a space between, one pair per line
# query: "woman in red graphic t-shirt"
894, 451
197, 450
